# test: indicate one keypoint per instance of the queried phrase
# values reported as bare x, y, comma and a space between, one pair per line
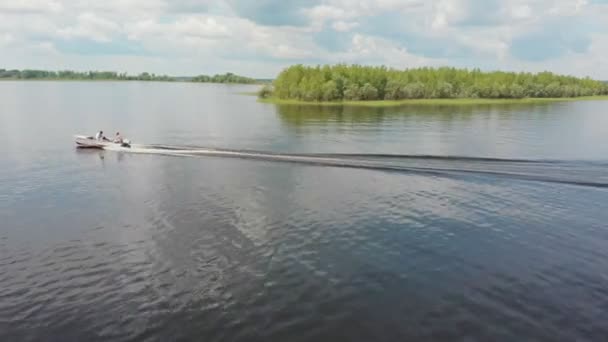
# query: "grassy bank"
469, 101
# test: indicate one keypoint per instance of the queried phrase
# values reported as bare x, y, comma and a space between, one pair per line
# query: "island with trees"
30, 74
381, 85
225, 78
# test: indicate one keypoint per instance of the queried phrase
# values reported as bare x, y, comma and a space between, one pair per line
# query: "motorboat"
83, 141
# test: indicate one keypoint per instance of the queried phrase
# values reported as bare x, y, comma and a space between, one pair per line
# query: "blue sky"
259, 38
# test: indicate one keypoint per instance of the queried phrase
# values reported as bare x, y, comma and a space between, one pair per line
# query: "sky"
258, 38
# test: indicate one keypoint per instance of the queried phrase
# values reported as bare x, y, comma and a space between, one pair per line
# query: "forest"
224, 78
29, 74
360, 83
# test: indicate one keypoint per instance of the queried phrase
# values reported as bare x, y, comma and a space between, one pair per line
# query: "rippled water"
245, 221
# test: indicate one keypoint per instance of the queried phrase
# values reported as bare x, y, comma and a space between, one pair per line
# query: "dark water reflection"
122, 246
555, 131
301, 114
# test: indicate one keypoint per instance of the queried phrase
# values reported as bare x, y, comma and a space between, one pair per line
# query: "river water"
232, 220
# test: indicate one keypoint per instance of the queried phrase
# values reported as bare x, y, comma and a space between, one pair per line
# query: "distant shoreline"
70, 75
259, 83
461, 101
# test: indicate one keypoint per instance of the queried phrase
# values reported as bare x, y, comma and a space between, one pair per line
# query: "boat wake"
581, 173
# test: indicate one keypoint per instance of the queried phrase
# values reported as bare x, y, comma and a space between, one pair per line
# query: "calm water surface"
347, 224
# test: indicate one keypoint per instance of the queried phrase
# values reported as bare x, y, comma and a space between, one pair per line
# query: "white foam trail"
219, 153
146, 150
437, 167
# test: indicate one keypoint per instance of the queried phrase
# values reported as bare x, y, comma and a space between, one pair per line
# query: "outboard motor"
126, 143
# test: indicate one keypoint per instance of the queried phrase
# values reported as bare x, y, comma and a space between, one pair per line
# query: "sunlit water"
231, 220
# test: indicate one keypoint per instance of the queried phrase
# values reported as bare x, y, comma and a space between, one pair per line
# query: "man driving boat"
100, 137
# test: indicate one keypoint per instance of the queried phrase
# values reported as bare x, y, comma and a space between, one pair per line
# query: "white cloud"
6, 39
521, 12
571, 7
290, 52
363, 45
378, 51
136, 30
45, 47
204, 27
492, 45
320, 14
91, 26
374, 7
325, 12
34, 6
347, 10
23, 27
591, 63
209, 34
281, 43
344, 26
121, 8
448, 12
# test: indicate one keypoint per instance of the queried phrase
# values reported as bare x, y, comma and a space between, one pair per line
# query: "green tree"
356, 82
330, 91
352, 92
368, 92
265, 92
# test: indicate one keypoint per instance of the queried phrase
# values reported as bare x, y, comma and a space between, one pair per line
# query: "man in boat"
118, 138
99, 136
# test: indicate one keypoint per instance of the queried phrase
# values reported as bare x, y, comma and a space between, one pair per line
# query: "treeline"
355, 82
111, 75
76, 75
224, 78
